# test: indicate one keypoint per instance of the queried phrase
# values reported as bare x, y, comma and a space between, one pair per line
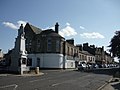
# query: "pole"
119, 69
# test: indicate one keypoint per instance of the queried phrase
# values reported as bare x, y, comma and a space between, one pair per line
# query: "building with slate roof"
101, 57
85, 56
48, 49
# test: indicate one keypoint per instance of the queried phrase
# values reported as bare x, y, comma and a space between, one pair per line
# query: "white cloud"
81, 27
14, 26
67, 31
10, 25
49, 28
92, 35
68, 24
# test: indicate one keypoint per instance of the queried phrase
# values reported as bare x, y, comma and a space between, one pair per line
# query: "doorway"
38, 62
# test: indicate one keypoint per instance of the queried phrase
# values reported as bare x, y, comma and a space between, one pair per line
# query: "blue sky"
92, 21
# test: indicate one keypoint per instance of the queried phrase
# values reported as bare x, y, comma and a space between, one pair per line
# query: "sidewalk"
113, 84
31, 74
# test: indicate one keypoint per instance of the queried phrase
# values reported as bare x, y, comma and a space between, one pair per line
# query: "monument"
19, 54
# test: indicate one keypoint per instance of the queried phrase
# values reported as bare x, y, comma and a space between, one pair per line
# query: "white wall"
51, 61
47, 60
69, 63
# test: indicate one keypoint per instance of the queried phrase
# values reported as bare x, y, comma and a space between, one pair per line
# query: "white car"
82, 66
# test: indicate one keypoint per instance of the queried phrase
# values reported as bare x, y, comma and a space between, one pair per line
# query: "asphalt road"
54, 80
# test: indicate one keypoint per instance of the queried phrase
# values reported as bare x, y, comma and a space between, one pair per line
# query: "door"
38, 62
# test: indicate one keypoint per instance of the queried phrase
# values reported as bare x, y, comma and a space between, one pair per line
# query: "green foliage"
115, 44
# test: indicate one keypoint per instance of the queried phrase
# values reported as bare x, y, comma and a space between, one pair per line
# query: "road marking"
68, 81
101, 87
15, 86
34, 80
55, 84
39, 80
3, 75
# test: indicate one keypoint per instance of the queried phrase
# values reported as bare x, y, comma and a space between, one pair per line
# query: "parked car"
95, 66
99, 65
82, 67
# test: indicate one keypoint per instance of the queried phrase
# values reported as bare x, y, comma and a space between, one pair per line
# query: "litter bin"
37, 70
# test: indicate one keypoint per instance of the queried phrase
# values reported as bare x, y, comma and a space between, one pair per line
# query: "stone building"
71, 53
85, 56
47, 49
35, 47
1, 55
101, 57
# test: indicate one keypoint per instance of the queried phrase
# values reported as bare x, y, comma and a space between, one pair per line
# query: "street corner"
112, 84
106, 85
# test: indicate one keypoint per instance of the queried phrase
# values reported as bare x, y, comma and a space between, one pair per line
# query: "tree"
115, 45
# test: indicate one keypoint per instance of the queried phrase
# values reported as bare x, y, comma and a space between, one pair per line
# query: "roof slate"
50, 32
35, 29
87, 53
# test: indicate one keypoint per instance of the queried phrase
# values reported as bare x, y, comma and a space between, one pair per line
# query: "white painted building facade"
53, 61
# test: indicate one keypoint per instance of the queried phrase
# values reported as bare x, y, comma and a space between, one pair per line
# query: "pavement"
32, 74
112, 84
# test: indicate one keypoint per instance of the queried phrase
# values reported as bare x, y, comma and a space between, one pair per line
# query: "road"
54, 80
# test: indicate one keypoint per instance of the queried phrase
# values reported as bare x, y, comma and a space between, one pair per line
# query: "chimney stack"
56, 27
70, 41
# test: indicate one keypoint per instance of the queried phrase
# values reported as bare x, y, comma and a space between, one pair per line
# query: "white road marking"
34, 80
55, 84
15, 86
68, 81
39, 80
3, 75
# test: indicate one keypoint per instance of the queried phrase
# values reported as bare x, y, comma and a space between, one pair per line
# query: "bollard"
37, 70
